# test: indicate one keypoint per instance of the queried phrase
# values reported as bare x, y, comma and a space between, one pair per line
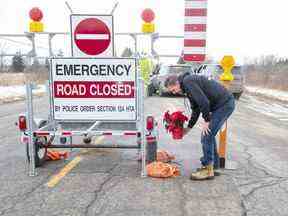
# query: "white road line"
92, 36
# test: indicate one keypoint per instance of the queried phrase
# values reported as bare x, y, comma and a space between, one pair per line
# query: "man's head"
172, 84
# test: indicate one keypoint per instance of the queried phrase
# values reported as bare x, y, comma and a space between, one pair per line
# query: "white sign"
94, 89
92, 35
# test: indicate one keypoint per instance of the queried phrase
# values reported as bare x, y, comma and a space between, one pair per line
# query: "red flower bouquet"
174, 123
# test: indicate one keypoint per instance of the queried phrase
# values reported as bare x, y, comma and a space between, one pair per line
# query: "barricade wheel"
63, 140
87, 140
40, 152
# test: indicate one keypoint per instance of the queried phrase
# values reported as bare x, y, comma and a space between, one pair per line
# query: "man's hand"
205, 128
186, 130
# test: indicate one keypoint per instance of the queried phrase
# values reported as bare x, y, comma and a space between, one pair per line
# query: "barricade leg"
139, 145
142, 128
31, 140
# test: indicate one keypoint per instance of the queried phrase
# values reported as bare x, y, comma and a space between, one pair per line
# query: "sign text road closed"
94, 89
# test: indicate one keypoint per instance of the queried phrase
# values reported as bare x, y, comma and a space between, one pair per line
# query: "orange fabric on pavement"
162, 170
55, 155
164, 156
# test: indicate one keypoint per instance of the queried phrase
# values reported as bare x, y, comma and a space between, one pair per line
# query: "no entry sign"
101, 89
92, 35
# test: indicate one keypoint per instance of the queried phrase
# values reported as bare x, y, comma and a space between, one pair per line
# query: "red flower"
174, 123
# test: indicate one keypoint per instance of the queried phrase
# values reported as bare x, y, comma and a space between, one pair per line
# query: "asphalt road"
108, 182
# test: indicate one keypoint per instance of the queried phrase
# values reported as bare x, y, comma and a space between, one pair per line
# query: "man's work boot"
203, 174
216, 170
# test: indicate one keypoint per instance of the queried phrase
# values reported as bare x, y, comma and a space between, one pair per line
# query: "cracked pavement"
108, 182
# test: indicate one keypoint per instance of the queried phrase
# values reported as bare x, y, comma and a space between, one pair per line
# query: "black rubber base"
222, 162
151, 152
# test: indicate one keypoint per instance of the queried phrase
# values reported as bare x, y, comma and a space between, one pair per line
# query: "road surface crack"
244, 209
251, 164
275, 180
183, 198
25, 195
100, 188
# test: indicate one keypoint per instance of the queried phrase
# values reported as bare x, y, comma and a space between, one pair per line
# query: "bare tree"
18, 64
127, 52
3, 47
268, 71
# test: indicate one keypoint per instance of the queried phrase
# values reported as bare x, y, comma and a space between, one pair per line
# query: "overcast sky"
244, 28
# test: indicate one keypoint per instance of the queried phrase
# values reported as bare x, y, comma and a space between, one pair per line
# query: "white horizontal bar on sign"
194, 50
196, 4
195, 35
195, 19
92, 36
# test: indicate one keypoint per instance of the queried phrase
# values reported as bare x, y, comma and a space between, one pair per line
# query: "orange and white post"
223, 145
227, 64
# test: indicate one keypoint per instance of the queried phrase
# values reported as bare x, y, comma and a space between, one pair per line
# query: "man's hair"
171, 80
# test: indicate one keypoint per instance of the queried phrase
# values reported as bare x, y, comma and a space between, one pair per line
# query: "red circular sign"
148, 15
92, 36
36, 14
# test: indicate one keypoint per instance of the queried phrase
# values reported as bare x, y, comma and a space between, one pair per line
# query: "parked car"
160, 74
212, 71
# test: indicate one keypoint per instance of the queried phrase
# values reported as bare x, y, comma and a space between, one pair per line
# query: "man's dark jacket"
205, 95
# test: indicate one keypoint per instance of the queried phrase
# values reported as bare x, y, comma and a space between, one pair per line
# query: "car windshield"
179, 69
163, 70
236, 70
219, 70
173, 70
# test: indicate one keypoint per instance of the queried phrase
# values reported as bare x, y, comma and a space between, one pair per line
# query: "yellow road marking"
99, 139
56, 178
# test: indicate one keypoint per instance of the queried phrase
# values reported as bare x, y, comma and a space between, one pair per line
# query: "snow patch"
277, 94
16, 92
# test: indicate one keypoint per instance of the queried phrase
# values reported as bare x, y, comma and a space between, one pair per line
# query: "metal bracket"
68, 6
50, 37
31, 142
31, 37
114, 8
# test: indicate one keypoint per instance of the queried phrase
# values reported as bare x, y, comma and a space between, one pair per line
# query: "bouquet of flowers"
174, 123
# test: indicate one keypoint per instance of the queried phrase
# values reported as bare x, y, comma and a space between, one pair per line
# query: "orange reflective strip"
51, 156
223, 141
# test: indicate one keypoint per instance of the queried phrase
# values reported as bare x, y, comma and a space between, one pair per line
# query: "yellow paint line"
83, 151
56, 178
99, 140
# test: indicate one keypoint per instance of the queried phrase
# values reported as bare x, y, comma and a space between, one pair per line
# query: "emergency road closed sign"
94, 89
92, 35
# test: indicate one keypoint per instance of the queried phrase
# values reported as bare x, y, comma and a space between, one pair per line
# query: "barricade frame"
55, 128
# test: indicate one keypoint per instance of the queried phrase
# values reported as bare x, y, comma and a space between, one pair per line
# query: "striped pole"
195, 30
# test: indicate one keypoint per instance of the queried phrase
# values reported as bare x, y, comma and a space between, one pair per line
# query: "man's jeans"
209, 146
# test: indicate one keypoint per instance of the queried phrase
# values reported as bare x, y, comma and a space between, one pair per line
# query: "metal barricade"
68, 130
